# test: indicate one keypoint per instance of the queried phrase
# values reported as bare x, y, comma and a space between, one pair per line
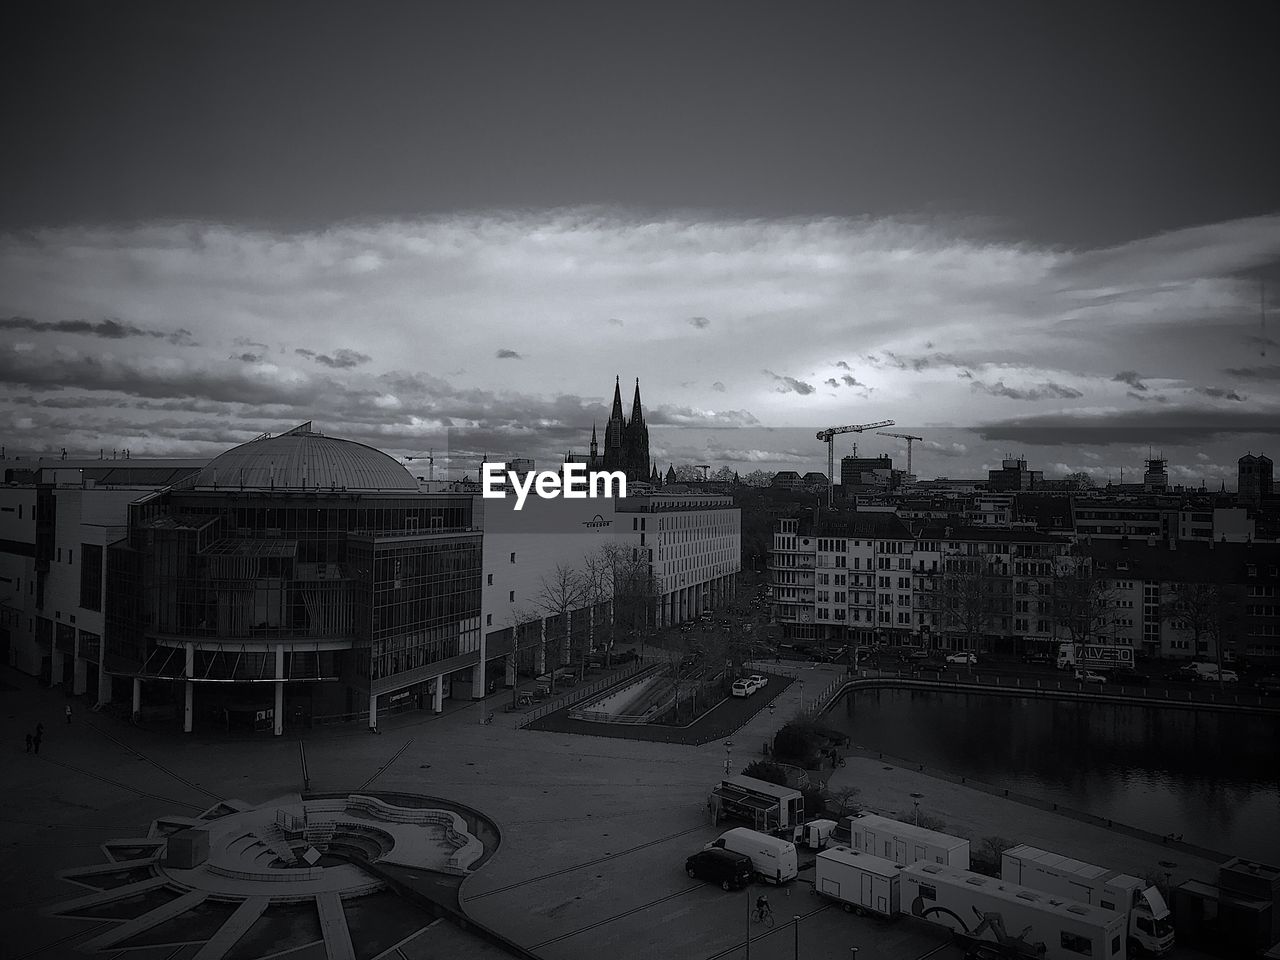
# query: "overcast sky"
1031, 228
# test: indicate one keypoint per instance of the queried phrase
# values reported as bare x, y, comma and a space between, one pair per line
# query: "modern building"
693, 543
858, 471
1156, 477
298, 574
56, 518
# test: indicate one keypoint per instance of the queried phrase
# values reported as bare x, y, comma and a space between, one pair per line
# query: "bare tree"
1082, 602
560, 593
1203, 610
597, 578
969, 597
525, 627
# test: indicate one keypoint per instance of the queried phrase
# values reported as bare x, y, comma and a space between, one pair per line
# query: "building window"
511, 596
488, 620
91, 576
489, 582
513, 558
1077, 944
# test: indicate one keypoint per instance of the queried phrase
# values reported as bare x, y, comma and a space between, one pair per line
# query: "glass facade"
353, 586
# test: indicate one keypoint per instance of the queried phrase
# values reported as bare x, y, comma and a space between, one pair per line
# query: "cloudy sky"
1038, 229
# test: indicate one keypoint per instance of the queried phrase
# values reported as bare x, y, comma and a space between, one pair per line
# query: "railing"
1071, 690
581, 693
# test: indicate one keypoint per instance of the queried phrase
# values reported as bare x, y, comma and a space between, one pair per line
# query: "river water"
1212, 777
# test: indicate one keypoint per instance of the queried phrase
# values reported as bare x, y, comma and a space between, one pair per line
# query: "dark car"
626, 656
1179, 676
731, 870
988, 951
1269, 686
1129, 677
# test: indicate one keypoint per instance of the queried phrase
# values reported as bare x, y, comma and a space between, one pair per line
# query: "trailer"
1150, 926
1024, 922
860, 882
765, 806
904, 842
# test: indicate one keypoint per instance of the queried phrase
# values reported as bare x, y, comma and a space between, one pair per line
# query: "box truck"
1024, 922
1150, 926
860, 882
1095, 656
773, 858
904, 842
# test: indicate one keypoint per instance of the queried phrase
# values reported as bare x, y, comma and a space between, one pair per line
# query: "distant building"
1156, 477
787, 480
1013, 475
626, 442
866, 471
1253, 479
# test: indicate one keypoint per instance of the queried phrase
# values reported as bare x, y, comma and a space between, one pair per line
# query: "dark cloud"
844, 366
1149, 397
615, 321
110, 329
1167, 425
965, 375
790, 384
1218, 393
304, 352
247, 357
700, 322
1132, 378
1266, 372
718, 387
1043, 391
246, 342
832, 382
342, 359
851, 381
505, 354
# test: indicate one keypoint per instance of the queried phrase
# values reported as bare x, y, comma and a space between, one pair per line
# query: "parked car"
732, 871
743, 688
1179, 676
931, 666
962, 658
1088, 676
1130, 677
988, 951
1269, 686
759, 681
920, 655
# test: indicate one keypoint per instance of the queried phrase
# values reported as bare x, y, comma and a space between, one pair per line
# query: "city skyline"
861, 217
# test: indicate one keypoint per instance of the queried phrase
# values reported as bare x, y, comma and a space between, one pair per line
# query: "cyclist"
762, 907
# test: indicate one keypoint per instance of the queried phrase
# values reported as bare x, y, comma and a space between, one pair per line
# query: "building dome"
305, 460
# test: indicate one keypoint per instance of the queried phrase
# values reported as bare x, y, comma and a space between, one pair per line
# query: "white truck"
1095, 656
773, 859
1150, 926
860, 882
1024, 922
905, 842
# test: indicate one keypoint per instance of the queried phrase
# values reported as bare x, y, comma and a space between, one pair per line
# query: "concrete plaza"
594, 831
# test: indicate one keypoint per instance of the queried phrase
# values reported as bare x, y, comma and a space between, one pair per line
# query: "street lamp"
915, 798
801, 682
796, 918
728, 761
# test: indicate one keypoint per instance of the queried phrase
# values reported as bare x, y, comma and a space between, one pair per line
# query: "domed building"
295, 577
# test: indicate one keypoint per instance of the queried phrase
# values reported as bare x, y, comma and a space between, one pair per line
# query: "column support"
278, 717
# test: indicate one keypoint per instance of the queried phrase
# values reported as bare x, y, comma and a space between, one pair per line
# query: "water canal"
1212, 777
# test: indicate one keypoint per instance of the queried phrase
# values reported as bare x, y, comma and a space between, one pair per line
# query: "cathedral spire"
637, 415
617, 400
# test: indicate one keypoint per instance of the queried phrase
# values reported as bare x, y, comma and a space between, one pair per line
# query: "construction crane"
907, 437
828, 435
705, 468
430, 457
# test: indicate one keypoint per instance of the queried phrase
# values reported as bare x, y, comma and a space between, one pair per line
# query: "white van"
772, 858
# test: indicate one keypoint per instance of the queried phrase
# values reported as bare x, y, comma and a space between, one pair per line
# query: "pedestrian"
36, 740
29, 739
68, 713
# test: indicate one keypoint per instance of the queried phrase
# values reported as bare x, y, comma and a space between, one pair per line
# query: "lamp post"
796, 918
801, 682
728, 757
915, 798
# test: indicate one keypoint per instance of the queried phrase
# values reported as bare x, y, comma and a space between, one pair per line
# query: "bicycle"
764, 916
